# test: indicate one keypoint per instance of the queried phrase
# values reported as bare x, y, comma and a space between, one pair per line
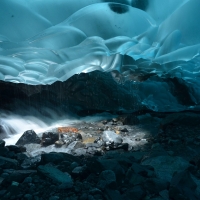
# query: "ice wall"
42, 42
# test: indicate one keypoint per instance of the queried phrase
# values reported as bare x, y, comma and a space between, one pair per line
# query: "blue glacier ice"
147, 42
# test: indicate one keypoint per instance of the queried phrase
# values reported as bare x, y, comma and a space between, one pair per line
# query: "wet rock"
56, 175
2, 192
94, 165
182, 186
124, 146
79, 152
59, 143
4, 151
144, 171
84, 196
28, 180
110, 137
190, 119
73, 165
96, 145
134, 179
28, 137
31, 163
54, 198
123, 129
49, 138
137, 192
129, 119
164, 194
80, 171
2, 143
112, 194
165, 166
108, 177
28, 196
21, 157
113, 165
18, 176
13, 188
7, 163
52, 158
16, 149
154, 185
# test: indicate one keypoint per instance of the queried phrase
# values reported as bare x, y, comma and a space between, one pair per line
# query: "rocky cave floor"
150, 156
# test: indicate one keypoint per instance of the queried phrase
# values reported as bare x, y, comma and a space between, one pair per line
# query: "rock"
137, 192
28, 180
190, 119
129, 119
54, 198
49, 138
96, 145
145, 171
123, 146
73, 165
13, 189
111, 137
164, 194
157, 150
21, 157
28, 137
28, 196
76, 144
2, 192
112, 194
114, 119
7, 163
2, 143
16, 149
79, 152
95, 191
18, 176
31, 163
80, 171
154, 185
56, 175
182, 185
108, 176
52, 158
124, 130
113, 165
59, 143
94, 165
84, 196
134, 179
4, 151
165, 166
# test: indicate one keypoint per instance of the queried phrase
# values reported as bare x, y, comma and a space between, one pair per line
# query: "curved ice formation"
46, 41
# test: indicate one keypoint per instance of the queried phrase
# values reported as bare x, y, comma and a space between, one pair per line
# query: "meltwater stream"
12, 126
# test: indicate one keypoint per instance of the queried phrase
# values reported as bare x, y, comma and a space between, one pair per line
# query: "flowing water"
12, 126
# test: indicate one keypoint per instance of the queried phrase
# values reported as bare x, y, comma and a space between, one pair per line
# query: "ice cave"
99, 99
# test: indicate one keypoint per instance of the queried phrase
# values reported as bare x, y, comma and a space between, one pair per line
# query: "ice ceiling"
44, 41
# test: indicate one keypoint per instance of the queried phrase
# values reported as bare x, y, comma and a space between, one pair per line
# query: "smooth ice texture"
46, 41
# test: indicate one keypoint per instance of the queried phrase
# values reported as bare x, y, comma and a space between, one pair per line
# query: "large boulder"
56, 175
28, 137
